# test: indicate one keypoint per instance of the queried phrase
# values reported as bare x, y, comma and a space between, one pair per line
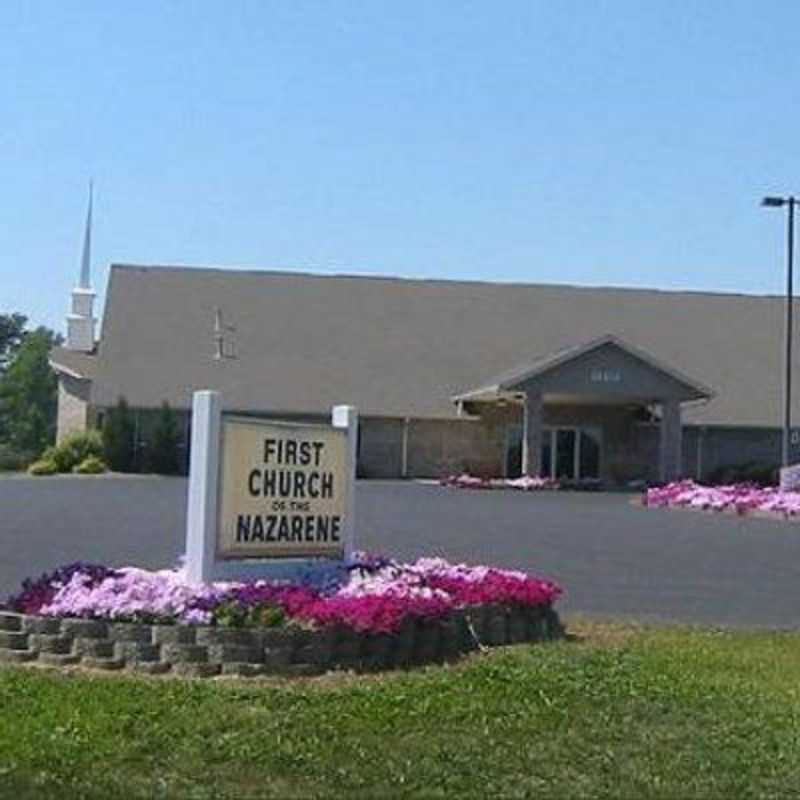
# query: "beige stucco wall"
444, 447
433, 447
74, 409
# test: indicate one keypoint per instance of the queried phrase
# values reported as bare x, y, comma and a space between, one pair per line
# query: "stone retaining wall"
203, 651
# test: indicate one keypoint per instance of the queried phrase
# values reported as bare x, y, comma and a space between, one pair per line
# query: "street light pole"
787, 421
790, 203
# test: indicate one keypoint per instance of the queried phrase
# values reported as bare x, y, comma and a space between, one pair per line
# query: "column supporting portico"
532, 434
671, 441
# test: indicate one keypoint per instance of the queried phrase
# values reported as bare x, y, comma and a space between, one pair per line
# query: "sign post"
267, 499
201, 512
346, 418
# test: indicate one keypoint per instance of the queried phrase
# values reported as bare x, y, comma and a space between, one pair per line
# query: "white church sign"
267, 497
282, 489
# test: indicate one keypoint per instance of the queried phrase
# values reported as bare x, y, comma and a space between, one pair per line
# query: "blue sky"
623, 142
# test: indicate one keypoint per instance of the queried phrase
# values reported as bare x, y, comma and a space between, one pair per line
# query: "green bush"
164, 458
91, 465
44, 466
74, 449
118, 433
12, 460
264, 615
749, 472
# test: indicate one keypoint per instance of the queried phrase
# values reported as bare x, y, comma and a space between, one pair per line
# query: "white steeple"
81, 321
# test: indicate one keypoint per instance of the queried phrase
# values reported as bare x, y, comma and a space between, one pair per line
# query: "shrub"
44, 466
163, 457
118, 438
12, 460
236, 615
486, 469
622, 472
74, 449
91, 465
749, 472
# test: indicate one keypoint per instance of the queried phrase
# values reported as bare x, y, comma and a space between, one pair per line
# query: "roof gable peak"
512, 381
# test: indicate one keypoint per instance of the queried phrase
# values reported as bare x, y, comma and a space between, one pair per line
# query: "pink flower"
741, 498
376, 598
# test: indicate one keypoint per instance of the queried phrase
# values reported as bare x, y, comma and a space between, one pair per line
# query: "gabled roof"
396, 347
75, 364
512, 380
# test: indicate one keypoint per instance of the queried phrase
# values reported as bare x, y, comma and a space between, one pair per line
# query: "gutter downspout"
701, 432
404, 462
525, 450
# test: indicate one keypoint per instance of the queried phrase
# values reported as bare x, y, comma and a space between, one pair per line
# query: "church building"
576, 383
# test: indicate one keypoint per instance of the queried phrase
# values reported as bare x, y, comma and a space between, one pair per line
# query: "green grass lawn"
621, 711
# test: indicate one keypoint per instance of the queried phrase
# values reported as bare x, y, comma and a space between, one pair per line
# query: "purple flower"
36, 593
369, 593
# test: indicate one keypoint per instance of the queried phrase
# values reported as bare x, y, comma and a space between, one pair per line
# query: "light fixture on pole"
789, 202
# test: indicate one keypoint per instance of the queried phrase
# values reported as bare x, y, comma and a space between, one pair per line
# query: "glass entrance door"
567, 453
571, 453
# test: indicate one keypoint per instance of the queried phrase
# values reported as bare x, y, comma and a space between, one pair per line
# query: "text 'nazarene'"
287, 528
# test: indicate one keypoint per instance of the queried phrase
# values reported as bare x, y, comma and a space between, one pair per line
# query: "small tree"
29, 393
118, 433
163, 456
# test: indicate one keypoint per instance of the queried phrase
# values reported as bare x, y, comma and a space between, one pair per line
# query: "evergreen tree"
163, 456
118, 433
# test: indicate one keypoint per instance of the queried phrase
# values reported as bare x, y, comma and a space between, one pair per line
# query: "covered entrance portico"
575, 415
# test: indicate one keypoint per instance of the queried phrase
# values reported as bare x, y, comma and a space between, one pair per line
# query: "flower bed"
524, 484
742, 498
368, 613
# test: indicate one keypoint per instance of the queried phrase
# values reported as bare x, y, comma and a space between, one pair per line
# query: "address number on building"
605, 376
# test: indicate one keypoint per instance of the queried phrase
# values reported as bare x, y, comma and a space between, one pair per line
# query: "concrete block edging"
206, 651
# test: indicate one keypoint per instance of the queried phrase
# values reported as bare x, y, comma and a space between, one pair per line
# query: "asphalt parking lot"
613, 558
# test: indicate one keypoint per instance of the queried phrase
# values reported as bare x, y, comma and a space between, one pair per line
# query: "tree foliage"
28, 387
164, 456
12, 331
118, 437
